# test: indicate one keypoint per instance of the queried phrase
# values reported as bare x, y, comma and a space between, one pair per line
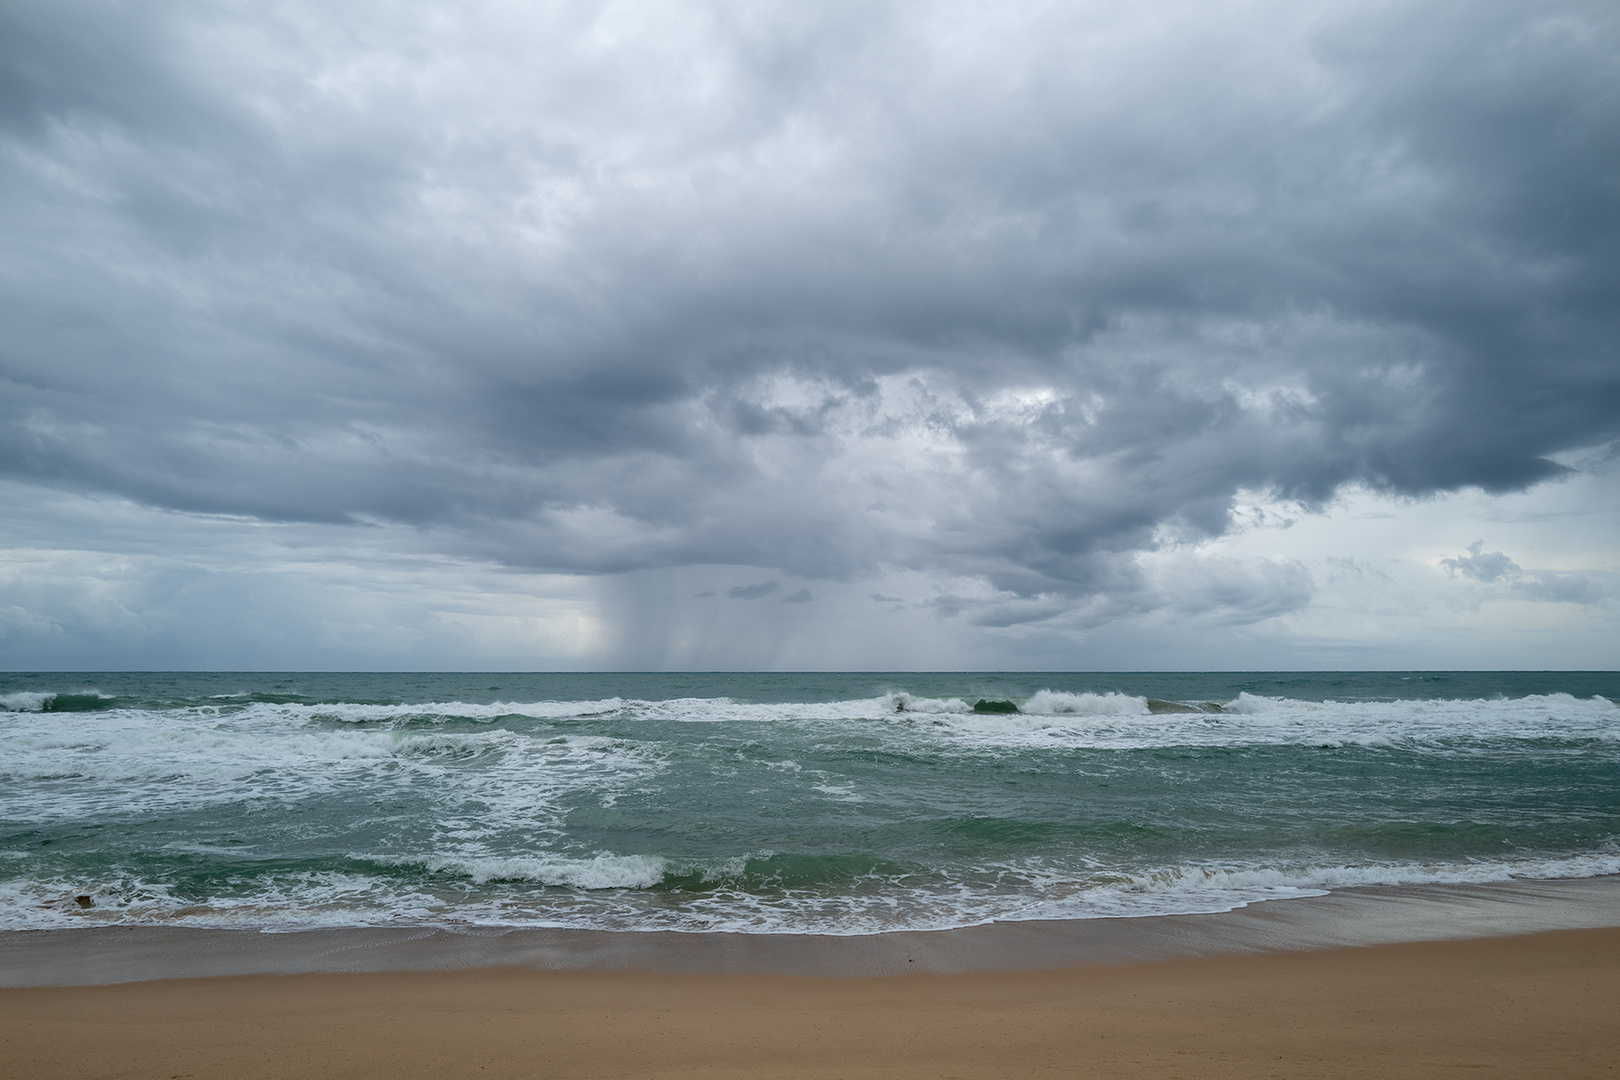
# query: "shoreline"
1360, 916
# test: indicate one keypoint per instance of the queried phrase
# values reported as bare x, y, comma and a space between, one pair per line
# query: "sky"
1225, 334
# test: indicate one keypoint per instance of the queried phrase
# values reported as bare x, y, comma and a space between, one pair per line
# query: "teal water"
830, 803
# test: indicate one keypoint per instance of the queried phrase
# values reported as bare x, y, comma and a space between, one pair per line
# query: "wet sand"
1543, 1005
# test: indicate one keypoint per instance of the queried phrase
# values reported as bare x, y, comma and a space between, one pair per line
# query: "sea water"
797, 803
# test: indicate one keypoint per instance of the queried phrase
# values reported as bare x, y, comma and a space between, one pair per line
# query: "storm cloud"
1013, 294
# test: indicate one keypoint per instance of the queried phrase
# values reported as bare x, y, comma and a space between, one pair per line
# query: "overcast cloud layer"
1002, 317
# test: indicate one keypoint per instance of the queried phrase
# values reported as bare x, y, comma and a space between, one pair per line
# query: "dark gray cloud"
1010, 296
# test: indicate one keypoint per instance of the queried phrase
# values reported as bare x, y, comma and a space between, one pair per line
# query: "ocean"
819, 803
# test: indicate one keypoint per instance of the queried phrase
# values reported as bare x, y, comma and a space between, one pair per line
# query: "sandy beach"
1540, 1005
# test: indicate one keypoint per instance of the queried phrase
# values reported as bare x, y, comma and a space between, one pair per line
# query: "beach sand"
1539, 1005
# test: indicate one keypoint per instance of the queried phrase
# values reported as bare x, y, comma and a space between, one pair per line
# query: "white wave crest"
25, 701
1060, 703
1247, 704
1258, 882
903, 702
1119, 721
601, 872
441, 711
